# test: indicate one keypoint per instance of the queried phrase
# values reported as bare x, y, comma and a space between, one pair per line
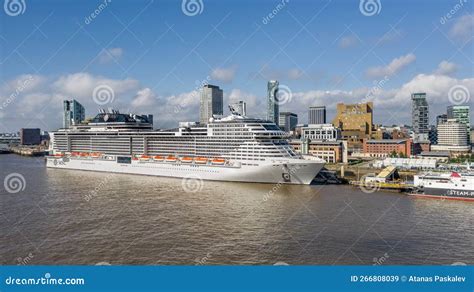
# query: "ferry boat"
234, 148
456, 186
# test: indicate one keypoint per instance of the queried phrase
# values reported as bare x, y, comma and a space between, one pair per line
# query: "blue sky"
152, 55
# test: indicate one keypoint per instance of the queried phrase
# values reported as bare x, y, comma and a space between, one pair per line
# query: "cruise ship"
234, 148
458, 186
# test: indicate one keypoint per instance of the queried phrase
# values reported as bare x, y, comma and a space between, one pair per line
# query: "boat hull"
450, 194
291, 171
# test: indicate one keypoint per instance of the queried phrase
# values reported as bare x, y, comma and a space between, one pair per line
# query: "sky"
152, 57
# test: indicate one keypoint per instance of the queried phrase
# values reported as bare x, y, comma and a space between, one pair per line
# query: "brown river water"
68, 217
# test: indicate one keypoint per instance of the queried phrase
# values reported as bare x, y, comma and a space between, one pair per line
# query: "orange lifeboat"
187, 159
84, 154
144, 157
58, 155
158, 158
171, 158
74, 154
218, 161
200, 160
96, 155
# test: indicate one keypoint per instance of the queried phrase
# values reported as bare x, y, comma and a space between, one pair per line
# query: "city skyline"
376, 58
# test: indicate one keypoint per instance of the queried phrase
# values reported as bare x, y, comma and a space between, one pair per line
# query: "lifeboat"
84, 154
187, 159
58, 155
200, 160
218, 161
74, 153
158, 158
171, 159
96, 155
144, 157
134, 158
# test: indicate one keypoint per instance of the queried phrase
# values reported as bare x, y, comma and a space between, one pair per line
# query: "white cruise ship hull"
286, 171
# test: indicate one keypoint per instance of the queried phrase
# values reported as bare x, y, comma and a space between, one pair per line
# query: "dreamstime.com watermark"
195, 94
192, 7
24, 261
370, 7
14, 183
458, 6
44, 280
94, 14
103, 94
192, 184
267, 18
278, 185
376, 89
14, 7
97, 189
459, 94
22, 85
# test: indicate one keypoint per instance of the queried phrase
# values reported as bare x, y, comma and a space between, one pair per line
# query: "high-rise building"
317, 115
420, 117
288, 121
239, 107
355, 122
461, 114
443, 118
212, 102
273, 108
74, 113
452, 137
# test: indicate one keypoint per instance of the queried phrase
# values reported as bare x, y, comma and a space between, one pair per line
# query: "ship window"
123, 159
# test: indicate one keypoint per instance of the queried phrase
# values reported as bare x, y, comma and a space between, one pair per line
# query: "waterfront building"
212, 102
10, 139
441, 156
30, 136
407, 163
320, 132
355, 122
384, 148
461, 114
420, 116
317, 115
330, 151
420, 146
443, 118
273, 107
239, 107
452, 137
74, 113
288, 121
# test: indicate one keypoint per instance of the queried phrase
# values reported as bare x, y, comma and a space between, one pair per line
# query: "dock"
387, 179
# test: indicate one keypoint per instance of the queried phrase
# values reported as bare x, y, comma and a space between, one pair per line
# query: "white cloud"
225, 75
144, 98
391, 36
43, 106
463, 27
81, 85
295, 74
348, 41
394, 67
108, 55
446, 68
